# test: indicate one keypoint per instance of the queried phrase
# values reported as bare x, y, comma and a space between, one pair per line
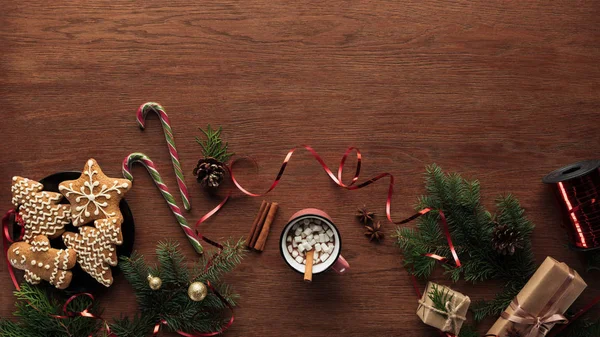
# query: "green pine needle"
471, 228
36, 306
440, 296
213, 146
468, 331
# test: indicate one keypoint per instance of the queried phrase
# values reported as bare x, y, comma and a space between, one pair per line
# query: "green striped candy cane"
141, 114
144, 160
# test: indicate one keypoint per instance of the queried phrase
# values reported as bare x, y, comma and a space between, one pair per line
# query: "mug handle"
340, 265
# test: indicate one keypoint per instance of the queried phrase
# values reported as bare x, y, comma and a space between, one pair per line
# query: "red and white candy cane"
144, 160
142, 112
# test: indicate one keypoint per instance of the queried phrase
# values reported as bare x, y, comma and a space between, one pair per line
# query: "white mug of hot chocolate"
312, 229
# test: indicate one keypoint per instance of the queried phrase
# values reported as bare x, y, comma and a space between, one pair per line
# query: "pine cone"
364, 215
209, 172
512, 332
374, 231
506, 240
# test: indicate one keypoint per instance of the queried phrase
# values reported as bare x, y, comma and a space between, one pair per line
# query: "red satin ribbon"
351, 186
84, 313
7, 240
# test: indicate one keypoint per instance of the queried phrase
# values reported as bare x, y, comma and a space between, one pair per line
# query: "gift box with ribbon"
542, 302
443, 308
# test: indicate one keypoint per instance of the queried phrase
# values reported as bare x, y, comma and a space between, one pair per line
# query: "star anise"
364, 215
373, 231
512, 332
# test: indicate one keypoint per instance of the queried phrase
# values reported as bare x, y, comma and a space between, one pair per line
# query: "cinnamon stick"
308, 266
255, 222
264, 233
259, 226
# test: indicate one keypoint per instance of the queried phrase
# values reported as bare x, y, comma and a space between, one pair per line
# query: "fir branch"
468, 331
440, 297
138, 326
171, 302
172, 263
36, 308
482, 309
471, 228
230, 257
213, 146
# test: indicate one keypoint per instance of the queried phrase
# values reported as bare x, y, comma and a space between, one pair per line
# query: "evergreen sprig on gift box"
39, 306
490, 246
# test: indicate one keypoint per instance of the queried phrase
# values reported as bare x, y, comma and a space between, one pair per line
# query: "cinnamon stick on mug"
264, 233
259, 226
255, 223
308, 266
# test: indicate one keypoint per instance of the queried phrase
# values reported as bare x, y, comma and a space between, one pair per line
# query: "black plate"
82, 281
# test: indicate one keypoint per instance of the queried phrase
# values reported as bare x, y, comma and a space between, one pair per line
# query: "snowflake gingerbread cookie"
40, 210
41, 262
94, 195
95, 248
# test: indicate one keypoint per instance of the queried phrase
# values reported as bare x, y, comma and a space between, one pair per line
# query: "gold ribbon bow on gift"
548, 315
453, 318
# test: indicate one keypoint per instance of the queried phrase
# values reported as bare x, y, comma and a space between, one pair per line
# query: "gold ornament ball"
197, 291
154, 282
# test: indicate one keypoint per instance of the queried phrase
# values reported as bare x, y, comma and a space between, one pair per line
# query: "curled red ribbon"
351, 186
7, 240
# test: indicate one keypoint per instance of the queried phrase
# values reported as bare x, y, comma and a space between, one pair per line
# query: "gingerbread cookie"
39, 209
95, 248
94, 195
40, 262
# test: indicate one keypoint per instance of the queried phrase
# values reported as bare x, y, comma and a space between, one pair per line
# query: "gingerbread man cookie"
40, 262
94, 195
39, 209
95, 248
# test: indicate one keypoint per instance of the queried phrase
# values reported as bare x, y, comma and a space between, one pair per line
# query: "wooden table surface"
501, 91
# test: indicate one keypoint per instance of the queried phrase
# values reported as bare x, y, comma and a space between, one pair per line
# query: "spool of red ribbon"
577, 189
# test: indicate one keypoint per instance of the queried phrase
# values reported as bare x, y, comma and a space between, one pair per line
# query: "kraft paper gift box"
542, 302
449, 320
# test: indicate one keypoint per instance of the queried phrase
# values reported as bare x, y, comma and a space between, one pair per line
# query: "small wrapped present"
443, 308
542, 302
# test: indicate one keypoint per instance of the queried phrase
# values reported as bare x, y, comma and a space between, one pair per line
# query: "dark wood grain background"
501, 91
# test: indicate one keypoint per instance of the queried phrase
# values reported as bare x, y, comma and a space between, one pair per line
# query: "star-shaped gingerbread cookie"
94, 195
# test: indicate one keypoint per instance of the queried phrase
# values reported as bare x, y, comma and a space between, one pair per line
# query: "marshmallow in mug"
307, 235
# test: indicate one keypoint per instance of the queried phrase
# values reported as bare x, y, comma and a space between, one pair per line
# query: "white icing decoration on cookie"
61, 278
38, 209
31, 277
55, 270
94, 247
88, 191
